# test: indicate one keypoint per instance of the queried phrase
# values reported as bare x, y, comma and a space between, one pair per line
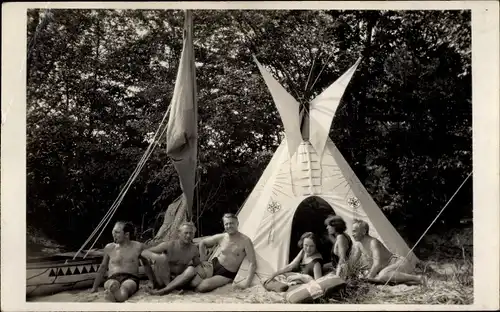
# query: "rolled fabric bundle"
276, 286
298, 278
315, 289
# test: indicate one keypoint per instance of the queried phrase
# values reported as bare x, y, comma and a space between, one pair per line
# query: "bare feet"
154, 292
110, 294
423, 280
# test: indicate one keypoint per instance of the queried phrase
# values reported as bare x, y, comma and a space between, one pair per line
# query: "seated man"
175, 260
121, 259
234, 246
383, 265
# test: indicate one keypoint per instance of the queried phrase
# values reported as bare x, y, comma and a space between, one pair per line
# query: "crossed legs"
163, 277
189, 277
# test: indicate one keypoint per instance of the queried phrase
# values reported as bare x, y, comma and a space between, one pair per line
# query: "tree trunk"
361, 107
94, 98
175, 215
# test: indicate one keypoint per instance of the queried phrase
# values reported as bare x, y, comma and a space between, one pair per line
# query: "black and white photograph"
250, 156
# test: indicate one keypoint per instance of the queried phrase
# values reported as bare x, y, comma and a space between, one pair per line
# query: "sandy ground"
226, 294
439, 291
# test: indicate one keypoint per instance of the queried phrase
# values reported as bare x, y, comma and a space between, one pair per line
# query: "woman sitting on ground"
342, 245
307, 263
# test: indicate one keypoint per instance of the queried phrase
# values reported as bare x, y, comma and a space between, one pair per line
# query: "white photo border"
486, 156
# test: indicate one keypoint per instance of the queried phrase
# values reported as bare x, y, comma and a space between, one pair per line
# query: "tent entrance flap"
310, 216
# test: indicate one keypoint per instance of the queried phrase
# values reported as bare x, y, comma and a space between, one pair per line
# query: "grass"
449, 273
456, 288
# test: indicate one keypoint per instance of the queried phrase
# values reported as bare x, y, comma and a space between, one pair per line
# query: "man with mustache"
121, 260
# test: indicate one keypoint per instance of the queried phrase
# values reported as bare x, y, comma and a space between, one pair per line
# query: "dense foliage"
100, 81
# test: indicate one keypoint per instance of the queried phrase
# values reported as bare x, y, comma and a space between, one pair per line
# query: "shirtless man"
175, 260
384, 266
234, 247
121, 259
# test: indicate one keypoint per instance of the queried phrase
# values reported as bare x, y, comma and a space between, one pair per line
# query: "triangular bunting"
84, 270
60, 272
52, 273
68, 272
76, 271
92, 270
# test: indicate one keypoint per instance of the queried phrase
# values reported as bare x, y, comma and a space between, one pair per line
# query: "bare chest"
365, 250
232, 248
124, 256
180, 255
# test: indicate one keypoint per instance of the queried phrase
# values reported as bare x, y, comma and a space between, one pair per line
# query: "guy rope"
425, 232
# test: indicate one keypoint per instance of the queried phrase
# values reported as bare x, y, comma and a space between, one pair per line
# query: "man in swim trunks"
234, 247
383, 265
121, 259
175, 261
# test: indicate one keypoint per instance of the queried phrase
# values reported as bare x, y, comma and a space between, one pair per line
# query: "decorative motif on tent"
353, 202
273, 207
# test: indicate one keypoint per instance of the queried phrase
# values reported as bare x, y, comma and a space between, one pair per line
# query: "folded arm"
147, 266
102, 269
208, 242
376, 255
153, 252
196, 259
343, 245
250, 254
355, 254
318, 272
292, 265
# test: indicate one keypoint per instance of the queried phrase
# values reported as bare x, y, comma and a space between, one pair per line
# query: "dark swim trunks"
121, 277
222, 271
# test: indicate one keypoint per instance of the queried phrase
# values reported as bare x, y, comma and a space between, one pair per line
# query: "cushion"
276, 286
322, 287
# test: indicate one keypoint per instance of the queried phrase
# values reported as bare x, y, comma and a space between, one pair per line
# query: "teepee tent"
300, 169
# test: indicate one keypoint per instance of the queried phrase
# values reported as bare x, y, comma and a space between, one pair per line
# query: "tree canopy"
100, 81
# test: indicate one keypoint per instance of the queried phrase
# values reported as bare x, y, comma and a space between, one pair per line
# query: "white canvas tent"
300, 169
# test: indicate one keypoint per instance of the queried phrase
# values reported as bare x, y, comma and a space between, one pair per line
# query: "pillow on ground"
276, 286
322, 287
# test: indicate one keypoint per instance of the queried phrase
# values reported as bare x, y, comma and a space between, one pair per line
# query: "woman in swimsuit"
307, 262
342, 245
